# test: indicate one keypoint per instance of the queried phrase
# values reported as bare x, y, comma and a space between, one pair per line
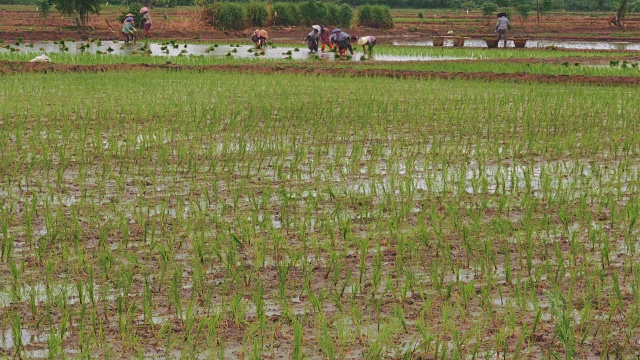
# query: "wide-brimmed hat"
129, 18
502, 14
129, 15
317, 27
362, 41
336, 30
144, 10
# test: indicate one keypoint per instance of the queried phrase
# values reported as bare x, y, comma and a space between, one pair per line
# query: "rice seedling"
436, 219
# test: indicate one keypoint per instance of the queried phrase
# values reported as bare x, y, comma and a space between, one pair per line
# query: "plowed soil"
7, 67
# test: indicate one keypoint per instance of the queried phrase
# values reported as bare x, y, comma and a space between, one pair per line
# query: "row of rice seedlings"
430, 52
210, 216
512, 68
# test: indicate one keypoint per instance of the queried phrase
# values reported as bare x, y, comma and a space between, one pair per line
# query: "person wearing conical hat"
343, 40
369, 41
146, 20
128, 30
260, 37
325, 38
312, 38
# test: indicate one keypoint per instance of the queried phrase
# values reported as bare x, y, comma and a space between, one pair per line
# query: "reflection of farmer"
312, 38
260, 37
501, 28
146, 20
369, 41
344, 41
128, 30
325, 38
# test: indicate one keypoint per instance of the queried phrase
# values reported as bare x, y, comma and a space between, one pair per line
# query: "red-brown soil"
7, 67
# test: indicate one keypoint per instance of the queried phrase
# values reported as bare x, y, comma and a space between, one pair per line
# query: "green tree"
523, 10
468, 5
44, 7
81, 8
489, 8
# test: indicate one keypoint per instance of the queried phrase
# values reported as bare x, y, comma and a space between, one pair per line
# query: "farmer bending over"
128, 30
344, 41
260, 37
369, 41
325, 37
312, 39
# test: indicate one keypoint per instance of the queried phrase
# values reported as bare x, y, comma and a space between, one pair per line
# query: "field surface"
203, 207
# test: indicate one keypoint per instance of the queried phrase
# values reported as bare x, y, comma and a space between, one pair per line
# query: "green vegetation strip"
224, 214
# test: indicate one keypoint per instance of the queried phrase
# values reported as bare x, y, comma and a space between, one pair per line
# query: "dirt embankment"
7, 67
187, 23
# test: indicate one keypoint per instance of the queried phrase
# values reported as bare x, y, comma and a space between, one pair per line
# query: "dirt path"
7, 67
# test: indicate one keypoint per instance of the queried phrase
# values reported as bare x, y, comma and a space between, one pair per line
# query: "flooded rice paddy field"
209, 50
211, 215
562, 44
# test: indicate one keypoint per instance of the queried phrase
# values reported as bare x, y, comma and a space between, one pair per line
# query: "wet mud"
8, 67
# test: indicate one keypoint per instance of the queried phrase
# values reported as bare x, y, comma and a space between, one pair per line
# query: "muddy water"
234, 51
578, 45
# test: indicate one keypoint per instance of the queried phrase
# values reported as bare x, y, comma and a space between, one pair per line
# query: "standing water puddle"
234, 51
578, 45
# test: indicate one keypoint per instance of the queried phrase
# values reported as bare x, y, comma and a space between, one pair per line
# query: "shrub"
468, 5
134, 9
231, 16
376, 16
420, 15
313, 12
257, 13
523, 10
333, 17
488, 8
286, 14
345, 16
44, 7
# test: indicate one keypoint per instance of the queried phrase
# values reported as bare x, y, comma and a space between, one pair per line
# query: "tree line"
571, 5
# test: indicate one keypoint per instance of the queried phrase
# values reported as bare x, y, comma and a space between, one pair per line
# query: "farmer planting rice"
146, 20
312, 39
260, 37
343, 40
325, 38
128, 30
368, 41
501, 28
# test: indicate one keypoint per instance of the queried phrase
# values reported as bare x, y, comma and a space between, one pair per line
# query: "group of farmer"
321, 37
128, 29
336, 39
